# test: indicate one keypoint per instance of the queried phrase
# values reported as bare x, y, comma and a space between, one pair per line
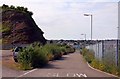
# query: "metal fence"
11, 46
107, 51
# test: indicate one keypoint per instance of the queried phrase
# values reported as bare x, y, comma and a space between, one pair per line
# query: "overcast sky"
64, 19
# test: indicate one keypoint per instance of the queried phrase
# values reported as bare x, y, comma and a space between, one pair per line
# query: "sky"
64, 19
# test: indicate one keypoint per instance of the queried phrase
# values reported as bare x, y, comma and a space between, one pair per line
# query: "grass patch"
88, 55
9, 62
101, 65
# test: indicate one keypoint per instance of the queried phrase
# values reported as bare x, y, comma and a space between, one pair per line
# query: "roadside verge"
101, 71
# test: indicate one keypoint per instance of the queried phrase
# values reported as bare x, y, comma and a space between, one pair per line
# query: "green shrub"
32, 56
57, 52
63, 49
68, 49
25, 57
111, 69
53, 50
97, 64
88, 55
37, 55
48, 48
104, 67
84, 51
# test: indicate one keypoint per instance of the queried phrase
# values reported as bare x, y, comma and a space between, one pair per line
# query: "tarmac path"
71, 65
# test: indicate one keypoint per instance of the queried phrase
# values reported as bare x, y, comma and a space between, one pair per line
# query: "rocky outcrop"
19, 27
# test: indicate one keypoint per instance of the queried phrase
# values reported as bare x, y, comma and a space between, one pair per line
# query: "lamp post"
84, 40
118, 35
91, 22
84, 36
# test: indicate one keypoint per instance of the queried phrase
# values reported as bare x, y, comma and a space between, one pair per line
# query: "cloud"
106, 21
68, 21
72, 22
102, 1
63, 19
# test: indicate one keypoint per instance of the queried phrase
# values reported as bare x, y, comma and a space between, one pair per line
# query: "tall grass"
88, 55
101, 65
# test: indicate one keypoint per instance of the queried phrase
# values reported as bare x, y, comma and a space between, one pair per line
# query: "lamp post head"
83, 34
87, 15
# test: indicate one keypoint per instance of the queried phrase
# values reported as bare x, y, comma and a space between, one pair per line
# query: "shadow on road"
63, 58
50, 65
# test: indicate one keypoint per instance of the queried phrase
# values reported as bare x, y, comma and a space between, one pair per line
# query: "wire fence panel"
118, 54
107, 51
100, 50
110, 52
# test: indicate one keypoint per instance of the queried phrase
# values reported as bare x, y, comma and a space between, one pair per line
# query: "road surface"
72, 65
7, 57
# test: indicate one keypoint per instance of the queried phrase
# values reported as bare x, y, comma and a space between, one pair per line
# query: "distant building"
119, 20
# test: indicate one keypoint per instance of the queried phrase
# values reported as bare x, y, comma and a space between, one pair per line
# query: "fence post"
102, 49
117, 52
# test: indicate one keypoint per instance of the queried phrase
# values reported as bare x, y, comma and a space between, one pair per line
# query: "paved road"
72, 65
8, 72
5, 53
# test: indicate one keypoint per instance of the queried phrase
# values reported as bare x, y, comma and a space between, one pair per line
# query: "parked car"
15, 53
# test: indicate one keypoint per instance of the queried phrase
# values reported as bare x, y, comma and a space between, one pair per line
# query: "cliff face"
20, 28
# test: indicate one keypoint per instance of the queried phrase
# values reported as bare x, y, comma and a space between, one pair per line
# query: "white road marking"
66, 75
101, 71
81, 75
53, 75
26, 73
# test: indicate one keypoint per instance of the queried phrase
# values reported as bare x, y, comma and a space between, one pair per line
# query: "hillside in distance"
18, 26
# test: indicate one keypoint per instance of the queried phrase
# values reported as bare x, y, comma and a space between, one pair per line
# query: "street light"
84, 40
84, 35
91, 22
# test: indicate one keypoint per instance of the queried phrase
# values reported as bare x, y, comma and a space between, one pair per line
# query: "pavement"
7, 57
71, 65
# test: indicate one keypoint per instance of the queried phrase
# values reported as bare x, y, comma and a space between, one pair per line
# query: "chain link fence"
107, 51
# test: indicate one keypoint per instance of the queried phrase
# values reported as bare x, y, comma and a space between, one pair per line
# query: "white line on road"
66, 75
81, 75
101, 71
26, 73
